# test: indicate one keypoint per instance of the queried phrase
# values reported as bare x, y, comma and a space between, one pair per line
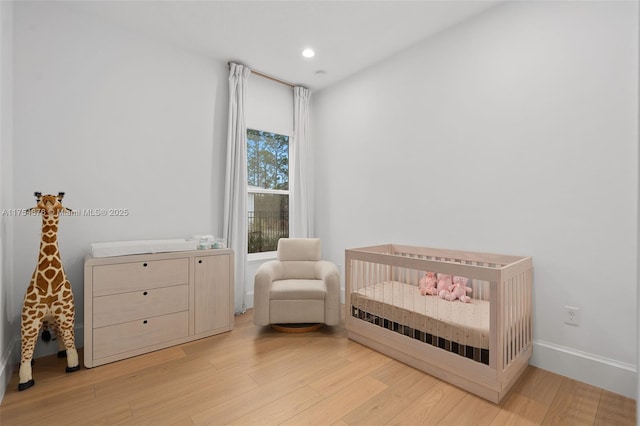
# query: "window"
268, 189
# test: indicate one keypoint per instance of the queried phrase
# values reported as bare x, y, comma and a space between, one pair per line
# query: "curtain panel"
301, 190
235, 195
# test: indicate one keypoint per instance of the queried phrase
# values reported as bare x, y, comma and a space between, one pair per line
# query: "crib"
482, 346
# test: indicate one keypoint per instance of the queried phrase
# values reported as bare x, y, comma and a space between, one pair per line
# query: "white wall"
515, 132
269, 106
7, 316
115, 120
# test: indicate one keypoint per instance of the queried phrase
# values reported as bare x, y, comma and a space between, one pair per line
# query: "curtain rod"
267, 76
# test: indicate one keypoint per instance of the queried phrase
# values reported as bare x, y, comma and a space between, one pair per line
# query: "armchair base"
296, 328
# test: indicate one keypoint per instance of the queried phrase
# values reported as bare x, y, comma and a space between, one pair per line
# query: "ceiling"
269, 36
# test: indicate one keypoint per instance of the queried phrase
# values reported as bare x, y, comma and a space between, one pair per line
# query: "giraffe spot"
48, 262
41, 282
49, 250
50, 273
48, 240
49, 228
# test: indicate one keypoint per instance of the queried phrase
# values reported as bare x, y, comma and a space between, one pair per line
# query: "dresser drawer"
120, 338
141, 304
142, 275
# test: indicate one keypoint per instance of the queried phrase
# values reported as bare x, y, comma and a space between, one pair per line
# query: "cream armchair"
297, 288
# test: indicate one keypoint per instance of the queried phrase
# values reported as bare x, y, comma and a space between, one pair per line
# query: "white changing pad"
121, 248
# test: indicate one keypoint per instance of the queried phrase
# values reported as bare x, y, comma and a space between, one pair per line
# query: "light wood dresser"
140, 303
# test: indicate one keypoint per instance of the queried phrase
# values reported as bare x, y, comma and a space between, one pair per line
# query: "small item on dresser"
203, 243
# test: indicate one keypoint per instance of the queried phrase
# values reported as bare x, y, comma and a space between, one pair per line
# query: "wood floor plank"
254, 375
432, 407
394, 373
616, 410
304, 375
339, 404
576, 403
472, 410
97, 412
54, 403
256, 398
338, 379
293, 359
519, 410
166, 401
538, 384
403, 389
283, 409
274, 407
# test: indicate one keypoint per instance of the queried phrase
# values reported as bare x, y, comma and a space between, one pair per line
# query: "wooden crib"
482, 346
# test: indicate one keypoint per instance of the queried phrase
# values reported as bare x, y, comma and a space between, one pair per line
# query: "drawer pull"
199, 261
144, 264
145, 293
144, 322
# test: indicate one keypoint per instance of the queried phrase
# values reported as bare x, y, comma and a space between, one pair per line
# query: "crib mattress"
464, 323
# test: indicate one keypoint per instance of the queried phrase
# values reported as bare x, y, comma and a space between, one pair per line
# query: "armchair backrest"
298, 257
299, 249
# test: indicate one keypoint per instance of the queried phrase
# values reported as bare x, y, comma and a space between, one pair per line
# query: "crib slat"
495, 345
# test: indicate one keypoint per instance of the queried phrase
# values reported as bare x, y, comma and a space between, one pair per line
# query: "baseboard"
7, 364
249, 300
605, 373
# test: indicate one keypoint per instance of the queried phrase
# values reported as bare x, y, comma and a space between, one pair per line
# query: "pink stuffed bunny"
444, 283
458, 290
427, 284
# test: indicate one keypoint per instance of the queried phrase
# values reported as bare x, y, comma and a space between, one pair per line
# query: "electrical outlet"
571, 315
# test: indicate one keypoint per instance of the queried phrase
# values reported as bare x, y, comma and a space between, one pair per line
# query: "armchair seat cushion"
296, 289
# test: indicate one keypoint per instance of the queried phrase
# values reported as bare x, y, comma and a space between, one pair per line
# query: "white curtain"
301, 186
235, 194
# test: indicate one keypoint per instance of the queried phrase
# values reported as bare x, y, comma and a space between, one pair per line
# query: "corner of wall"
7, 339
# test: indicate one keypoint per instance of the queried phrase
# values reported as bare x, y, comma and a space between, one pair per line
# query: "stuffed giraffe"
48, 296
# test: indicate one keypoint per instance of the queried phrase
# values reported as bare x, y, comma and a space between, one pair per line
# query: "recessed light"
308, 53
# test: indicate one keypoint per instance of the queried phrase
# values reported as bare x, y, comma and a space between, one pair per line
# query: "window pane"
267, 168
268, 221
267, 160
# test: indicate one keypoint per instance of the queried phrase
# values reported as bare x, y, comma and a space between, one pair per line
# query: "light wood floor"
254, 376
